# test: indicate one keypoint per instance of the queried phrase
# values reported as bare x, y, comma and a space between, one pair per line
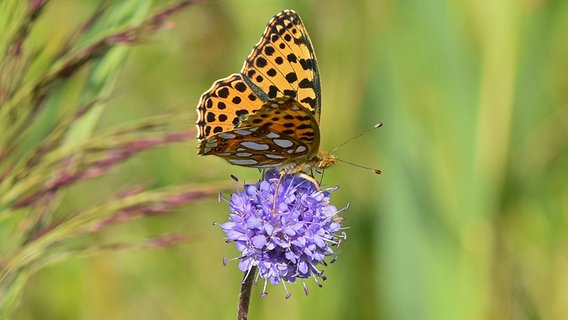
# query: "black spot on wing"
292, 58
241, 87
261, 62
305, 83
272, 91
291, 77
290, 93
223, 92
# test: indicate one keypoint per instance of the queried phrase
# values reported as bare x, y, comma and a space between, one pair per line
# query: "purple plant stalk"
287, 243
74, 169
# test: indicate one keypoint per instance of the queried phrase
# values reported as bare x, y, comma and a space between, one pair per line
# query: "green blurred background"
467, 221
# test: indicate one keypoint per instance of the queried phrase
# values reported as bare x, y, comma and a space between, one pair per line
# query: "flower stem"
244, 298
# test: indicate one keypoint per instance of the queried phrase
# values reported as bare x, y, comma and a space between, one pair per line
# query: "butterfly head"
324, 160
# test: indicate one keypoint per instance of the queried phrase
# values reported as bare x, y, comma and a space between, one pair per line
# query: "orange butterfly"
267, 116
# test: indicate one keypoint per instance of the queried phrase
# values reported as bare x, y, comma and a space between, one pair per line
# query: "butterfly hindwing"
281, 131
288, 117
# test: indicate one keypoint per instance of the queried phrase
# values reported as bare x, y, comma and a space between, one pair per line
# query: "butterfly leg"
282, 173
301, 175
313, 179
310, 179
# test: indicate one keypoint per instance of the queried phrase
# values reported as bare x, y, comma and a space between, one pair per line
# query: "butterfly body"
267, 116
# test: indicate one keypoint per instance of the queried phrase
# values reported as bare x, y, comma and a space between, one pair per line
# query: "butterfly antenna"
375, 126
377, 171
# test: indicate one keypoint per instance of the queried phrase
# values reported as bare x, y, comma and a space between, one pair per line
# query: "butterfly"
267, 116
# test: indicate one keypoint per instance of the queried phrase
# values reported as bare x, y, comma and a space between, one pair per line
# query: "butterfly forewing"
283, 63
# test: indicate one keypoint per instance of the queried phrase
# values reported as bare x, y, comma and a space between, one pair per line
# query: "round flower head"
287, 239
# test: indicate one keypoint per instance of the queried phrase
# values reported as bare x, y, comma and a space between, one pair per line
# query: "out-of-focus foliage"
467, 221
50, 103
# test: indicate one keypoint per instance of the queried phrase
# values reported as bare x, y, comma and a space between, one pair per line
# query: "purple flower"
286, 240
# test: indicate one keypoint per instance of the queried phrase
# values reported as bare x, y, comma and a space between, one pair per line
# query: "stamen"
344, 208
264, 292
288, 293
247, 275
317, 282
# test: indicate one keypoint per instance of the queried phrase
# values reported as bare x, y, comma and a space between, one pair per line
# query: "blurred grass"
468, 220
